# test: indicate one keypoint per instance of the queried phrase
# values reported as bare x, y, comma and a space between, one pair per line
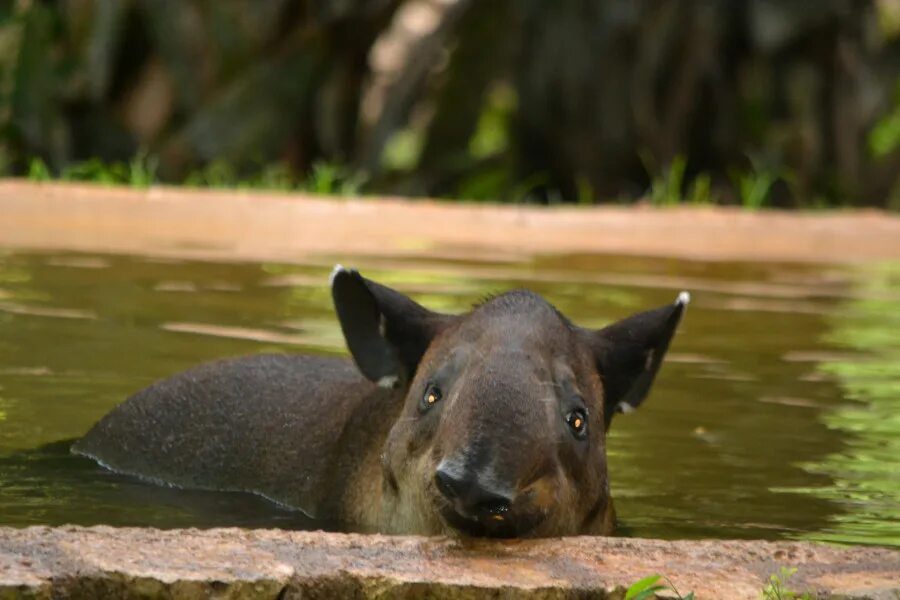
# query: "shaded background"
784, 103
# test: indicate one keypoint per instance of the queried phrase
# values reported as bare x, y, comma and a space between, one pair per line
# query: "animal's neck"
359, 504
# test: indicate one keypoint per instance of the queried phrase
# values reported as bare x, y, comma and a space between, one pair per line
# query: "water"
777, 414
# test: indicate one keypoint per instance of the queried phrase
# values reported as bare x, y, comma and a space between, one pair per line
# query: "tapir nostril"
494, 507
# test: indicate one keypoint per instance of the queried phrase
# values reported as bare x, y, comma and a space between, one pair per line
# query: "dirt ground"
236, 225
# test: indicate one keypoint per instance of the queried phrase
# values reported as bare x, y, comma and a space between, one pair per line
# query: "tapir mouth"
508, 525
521, 518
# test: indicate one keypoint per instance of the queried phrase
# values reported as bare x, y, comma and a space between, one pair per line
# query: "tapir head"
506, 407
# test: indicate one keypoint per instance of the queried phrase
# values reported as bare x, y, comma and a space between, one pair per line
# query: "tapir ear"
386, 332
628, 354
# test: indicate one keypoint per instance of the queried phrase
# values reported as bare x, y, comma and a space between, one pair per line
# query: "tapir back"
276, 425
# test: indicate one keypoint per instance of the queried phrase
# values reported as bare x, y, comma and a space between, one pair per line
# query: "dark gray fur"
274, 424
353, 443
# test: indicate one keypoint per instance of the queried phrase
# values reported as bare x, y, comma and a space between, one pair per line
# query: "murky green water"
777, 414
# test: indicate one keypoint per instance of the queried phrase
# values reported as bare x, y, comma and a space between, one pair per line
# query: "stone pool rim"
238, 225
69, 561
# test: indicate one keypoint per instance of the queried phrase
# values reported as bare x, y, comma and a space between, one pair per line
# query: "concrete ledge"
100, 562
254, 226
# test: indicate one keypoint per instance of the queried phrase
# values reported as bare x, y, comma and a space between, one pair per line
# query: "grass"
141, 172
669, 185
777, 588
666, 185
884, 138
648, 587
331, 179
754, 186
653, 587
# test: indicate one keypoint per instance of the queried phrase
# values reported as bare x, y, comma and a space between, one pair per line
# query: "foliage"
402, 150
222, 174
884, 138
863, 474
564, 102
700, 192
648, 587
651, 587
38, 171
323, 178
491, 136
140, 172
754, 187
331, 179
777, 588
665, 188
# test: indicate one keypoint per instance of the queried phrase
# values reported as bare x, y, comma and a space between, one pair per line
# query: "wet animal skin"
489, 423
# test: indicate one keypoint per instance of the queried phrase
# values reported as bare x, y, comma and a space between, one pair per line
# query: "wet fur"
315, 434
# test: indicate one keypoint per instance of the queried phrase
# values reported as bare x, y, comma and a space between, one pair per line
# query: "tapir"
489, 423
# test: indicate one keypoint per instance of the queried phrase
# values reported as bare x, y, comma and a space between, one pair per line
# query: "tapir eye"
577, 421
431, 397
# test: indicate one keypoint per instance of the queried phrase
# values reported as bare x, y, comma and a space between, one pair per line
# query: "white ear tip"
624, 408
338, 268
388, 381
684, 298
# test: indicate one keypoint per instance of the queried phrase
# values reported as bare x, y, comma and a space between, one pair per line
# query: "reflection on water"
865, 473
776, 414
50, 485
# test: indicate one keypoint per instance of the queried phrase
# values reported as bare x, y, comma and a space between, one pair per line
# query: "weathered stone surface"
258, 226
101, 562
